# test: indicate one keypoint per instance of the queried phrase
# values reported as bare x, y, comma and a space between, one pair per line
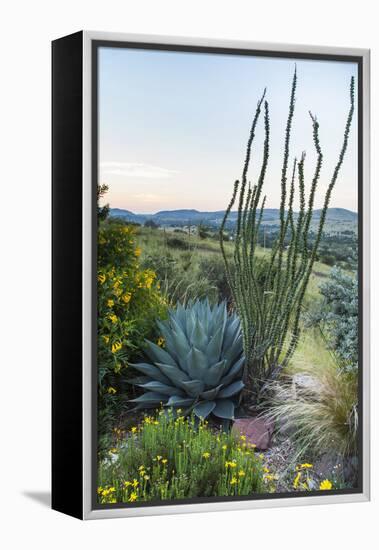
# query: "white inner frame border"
88, 511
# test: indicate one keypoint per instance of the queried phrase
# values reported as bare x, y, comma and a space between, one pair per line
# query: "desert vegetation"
228, 346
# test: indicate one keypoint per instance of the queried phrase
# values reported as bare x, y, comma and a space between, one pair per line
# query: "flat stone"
258, 431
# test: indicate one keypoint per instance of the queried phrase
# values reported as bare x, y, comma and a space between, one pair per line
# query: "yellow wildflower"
133, 497
158, 458
110, 303
296, 480
206, 454
113, 318
146, 478
100, 490
105, 338
326, 485
243, 437
113, 450
233, 481
134, 429
137, 251
101, 278
135, 483
304, 466
164, 460
224, 447
111, 390
241, 473
126, 297
116, 346
127, 483
161, 341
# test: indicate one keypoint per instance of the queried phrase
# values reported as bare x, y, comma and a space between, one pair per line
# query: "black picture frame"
74, 390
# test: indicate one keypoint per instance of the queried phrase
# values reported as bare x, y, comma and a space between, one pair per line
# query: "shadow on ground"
41, 497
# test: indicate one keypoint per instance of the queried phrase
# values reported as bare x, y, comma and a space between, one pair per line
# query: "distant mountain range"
194, 217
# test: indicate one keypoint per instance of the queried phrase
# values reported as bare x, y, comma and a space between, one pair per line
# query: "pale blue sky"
173, 126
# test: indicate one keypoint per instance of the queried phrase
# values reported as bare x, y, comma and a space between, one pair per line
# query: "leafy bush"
170, 457
213, 269
338, 314
179, 278
129, 301
176, 242
201, 363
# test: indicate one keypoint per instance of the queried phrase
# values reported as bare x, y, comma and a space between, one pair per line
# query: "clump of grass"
171, 457
320, 410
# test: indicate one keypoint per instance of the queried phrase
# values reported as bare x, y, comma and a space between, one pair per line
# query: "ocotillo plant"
270, 316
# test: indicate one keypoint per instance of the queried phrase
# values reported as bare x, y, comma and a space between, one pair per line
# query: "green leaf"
174, 374
214, 373
204, 408
213, 350
150, 370
232, 389
211, 394
150, 398
178, 401
199, 337
197, 364
233, 372
159, 355
161, 388
224, 409
193, 387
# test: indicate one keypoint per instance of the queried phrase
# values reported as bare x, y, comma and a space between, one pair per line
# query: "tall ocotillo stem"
270, 312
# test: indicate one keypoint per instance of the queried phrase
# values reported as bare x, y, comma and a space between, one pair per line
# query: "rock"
258, 431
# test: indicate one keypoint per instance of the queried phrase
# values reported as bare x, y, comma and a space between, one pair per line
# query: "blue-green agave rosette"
200, 366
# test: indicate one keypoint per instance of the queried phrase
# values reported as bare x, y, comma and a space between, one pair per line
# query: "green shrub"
200, 366
170, 457
129, 301
179, 278
339, 314
176, 242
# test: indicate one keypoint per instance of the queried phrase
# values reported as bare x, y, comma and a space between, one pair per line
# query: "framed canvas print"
210, 275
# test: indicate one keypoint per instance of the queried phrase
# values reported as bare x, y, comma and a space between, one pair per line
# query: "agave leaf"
151, 398
193, 387
199, 336
178, 401
197, 364
232, 389
174, 374
234, 352
182, 348
233, 372
211, 394
138, 380
159, 355
231, 330
161, 388
224, 409
204, 408
190, 321
152, 371
213, 349
180, 317
213, 374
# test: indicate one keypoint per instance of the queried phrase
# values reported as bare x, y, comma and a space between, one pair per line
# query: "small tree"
102, 211
270, 316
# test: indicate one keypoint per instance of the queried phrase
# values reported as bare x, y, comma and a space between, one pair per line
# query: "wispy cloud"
136, 170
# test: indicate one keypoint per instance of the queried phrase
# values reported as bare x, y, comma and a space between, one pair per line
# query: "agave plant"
199, 367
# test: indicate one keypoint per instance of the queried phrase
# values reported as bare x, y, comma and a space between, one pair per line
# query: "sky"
173, 126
